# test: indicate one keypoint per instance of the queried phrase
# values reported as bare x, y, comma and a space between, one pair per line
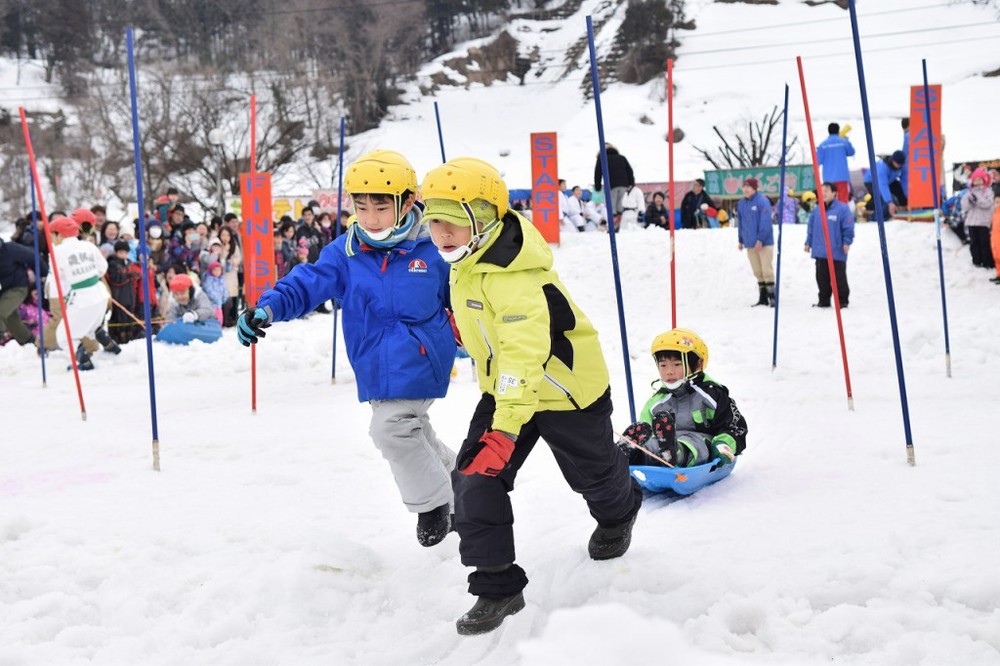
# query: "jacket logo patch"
510, 318
475, 305
418, 266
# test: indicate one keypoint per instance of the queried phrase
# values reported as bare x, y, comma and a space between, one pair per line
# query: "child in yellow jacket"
542, 375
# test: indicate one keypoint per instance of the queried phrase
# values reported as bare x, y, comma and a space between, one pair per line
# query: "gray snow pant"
420, 462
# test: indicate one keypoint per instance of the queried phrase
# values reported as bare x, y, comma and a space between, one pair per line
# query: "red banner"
258, 235
921, 188
545, 185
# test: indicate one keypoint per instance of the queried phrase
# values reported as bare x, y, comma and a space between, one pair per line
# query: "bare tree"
752, 148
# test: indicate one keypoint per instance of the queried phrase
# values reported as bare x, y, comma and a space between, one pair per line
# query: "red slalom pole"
826, 234
253, 169
52, 259
670, 152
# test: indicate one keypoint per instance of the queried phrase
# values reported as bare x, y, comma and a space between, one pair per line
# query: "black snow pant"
583, 445
823, 282
979, 246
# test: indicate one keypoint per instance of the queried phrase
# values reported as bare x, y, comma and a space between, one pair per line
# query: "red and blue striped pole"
143, 249
595, 81
781, 225
937, 220
879, 217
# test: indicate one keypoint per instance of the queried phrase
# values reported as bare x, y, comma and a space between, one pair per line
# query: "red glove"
489, 456
454, 327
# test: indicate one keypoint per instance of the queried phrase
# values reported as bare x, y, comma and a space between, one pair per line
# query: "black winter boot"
433, 526
488, 614
762, 296
607, 543
769, 290
83, 361
109, 345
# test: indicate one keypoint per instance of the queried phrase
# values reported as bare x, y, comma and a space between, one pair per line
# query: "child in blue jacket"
392, 286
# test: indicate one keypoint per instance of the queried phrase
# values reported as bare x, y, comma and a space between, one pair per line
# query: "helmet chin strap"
397, 201
483, 235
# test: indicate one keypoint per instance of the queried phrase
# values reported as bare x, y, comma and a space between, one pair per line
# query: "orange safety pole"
249, 268
52, 259
826, 234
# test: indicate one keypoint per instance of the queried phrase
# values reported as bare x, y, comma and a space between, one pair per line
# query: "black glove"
636, 434
663, 428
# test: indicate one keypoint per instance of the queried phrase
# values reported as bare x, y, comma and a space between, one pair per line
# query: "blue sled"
681, 480
179, 333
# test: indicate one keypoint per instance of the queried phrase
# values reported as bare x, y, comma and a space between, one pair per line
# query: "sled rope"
631, 442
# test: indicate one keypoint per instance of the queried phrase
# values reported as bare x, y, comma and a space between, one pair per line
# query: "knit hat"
752, 182
980, 172
899, 157
212, 266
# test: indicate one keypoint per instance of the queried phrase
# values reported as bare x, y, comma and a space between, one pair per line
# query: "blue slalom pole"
937, 220
609, 204
781, 225
336, 232
143, 249
879, 217
437, 117
38, 277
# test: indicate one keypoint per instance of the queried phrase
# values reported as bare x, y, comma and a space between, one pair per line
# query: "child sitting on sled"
690, 420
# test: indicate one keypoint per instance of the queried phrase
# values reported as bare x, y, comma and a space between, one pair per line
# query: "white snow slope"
732, 69
279, 538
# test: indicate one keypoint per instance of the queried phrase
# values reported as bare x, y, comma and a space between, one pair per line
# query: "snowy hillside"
280, 539
731, 69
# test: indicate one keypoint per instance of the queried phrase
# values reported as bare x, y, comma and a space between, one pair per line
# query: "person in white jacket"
574, 210
81, 266
633, 202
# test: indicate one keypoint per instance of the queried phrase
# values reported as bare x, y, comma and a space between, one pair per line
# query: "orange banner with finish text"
258, 235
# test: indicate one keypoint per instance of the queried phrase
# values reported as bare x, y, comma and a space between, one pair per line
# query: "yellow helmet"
464, 179
723, 216
380, 172
808, 196
681, 340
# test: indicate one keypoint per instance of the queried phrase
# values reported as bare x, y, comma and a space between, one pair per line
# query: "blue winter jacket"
832, 156
886, 175
399, 340
755, 216
840, 221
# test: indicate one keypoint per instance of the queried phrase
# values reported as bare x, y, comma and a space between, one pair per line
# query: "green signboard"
728, 182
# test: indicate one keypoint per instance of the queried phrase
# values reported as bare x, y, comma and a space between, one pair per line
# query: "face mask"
380, 235
325, 223
155, 232
673, 386
192, 237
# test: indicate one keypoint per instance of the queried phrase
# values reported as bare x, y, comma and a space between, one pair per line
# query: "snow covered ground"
279, 538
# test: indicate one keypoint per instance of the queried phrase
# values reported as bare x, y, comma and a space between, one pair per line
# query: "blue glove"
249, 325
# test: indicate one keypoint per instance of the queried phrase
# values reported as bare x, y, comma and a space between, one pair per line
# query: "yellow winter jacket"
534, 349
